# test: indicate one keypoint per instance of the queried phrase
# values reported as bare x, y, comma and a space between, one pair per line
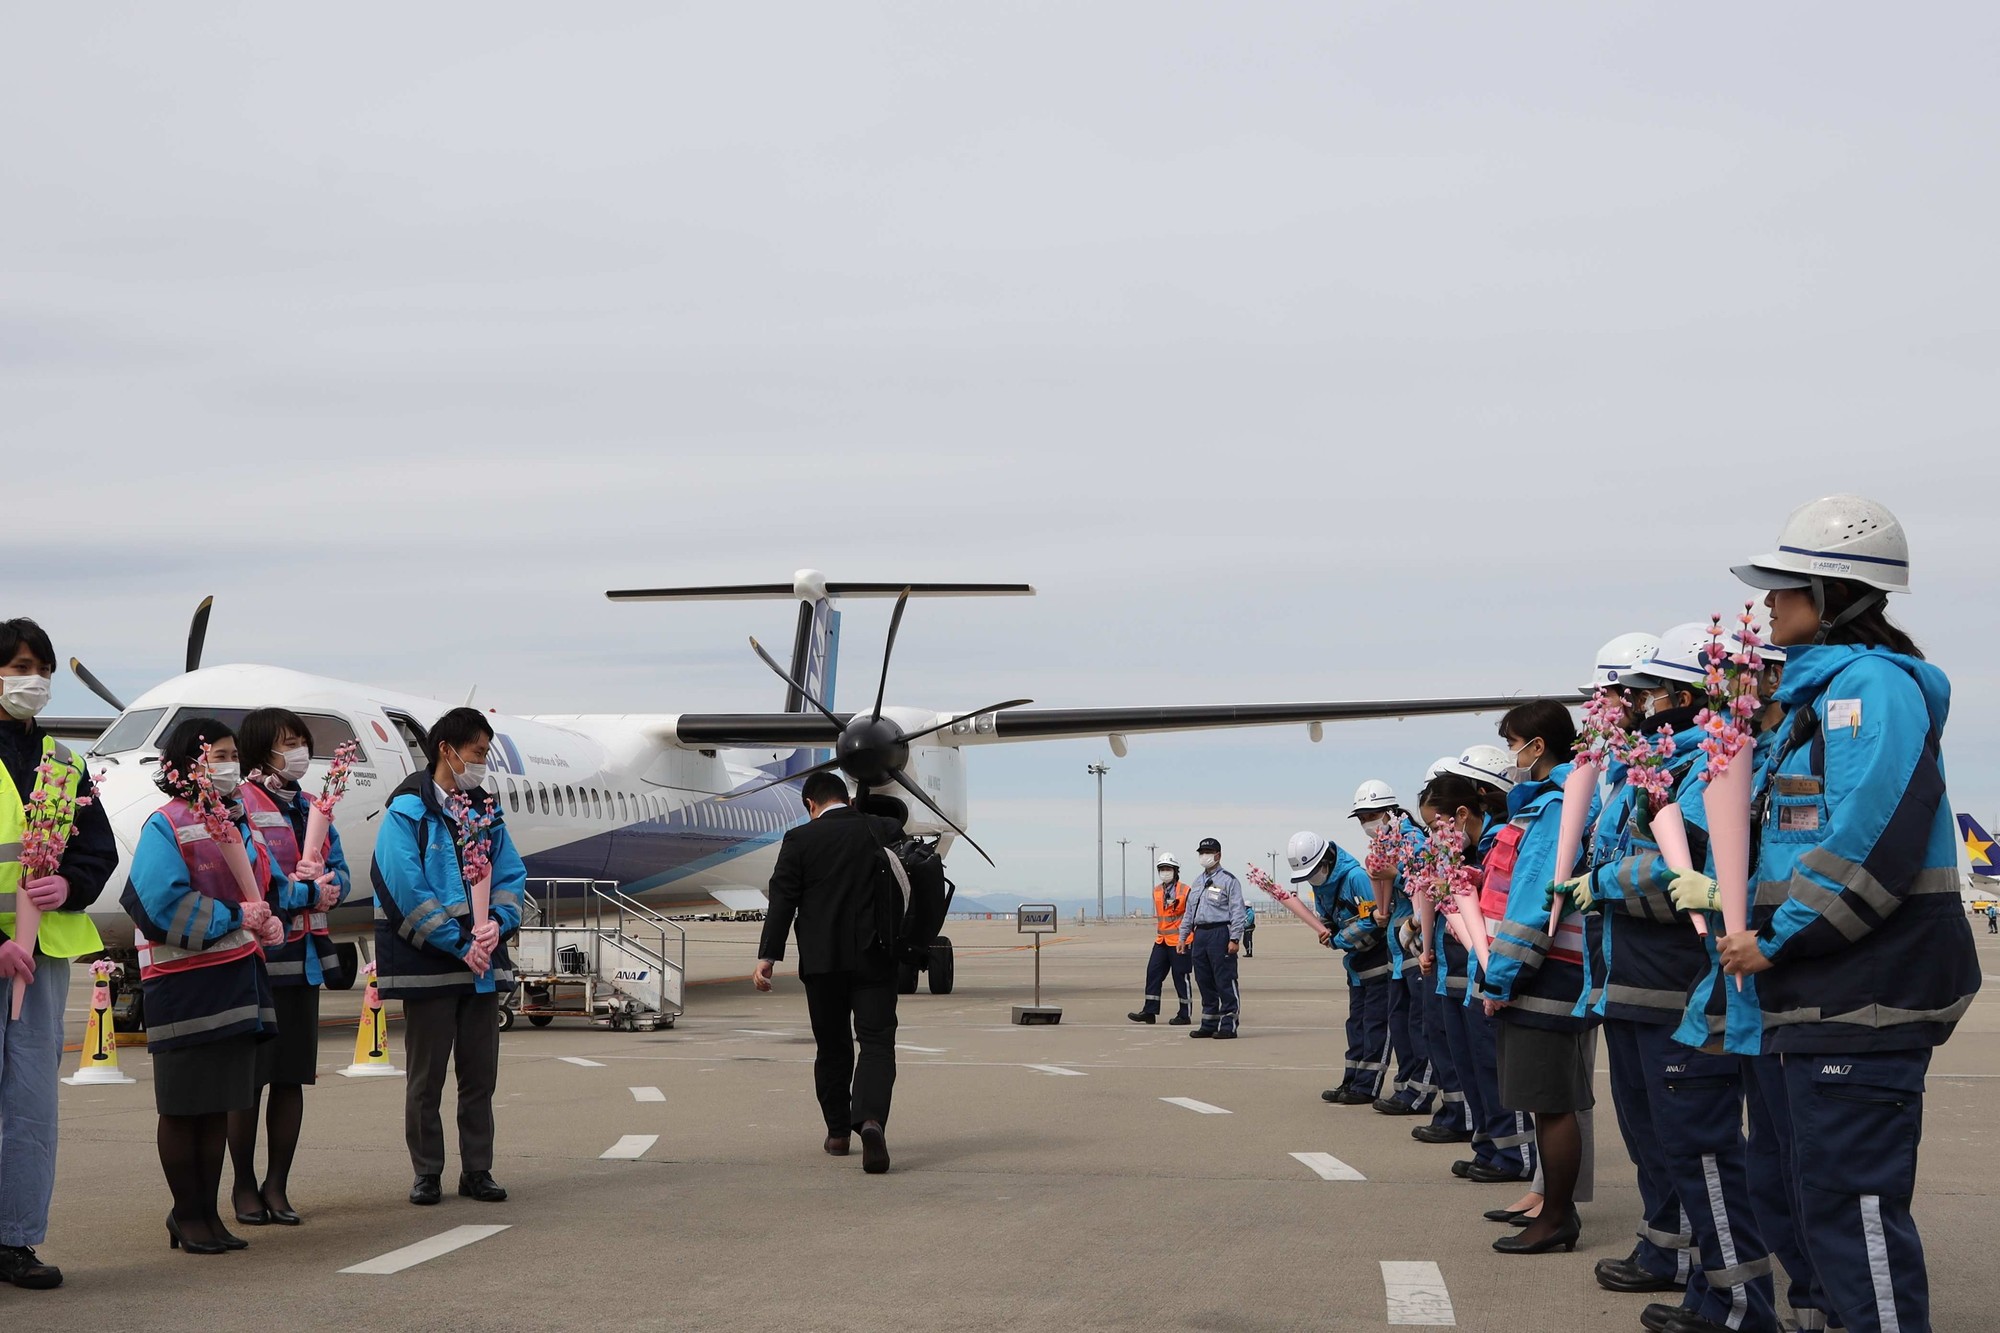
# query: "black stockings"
282, 1122
191, 1149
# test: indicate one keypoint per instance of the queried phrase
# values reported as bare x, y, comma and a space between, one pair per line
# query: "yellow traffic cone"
371, 1039
99, 1063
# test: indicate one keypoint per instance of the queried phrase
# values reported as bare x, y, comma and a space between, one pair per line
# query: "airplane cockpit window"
129, 732
329, 733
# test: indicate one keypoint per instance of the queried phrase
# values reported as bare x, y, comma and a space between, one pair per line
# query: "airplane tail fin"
1978, 847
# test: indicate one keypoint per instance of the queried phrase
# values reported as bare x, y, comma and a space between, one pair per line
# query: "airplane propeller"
873, 749
197, 636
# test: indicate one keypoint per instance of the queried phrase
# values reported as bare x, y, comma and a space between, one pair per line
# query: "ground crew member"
1212, 930
1345, 900
1451, 1118
429, 955
1414, 1087
275, 744
31, 1047
1170, 899
1685, 1113
1249, 927
1859, 955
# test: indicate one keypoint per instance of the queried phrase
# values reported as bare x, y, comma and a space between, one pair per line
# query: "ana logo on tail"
1978, 847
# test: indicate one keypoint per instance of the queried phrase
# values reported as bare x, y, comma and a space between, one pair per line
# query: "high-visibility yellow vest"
62, 934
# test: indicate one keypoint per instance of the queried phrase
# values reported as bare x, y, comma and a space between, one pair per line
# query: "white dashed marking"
922, 1050
763, 1032
1191, 1104
1057, 1069
648, 1095
395, 1261
1328, 1167
629, 1147
580, 1061
1417, 1294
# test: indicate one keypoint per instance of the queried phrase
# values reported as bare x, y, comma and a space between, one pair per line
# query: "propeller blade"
904, 782
779, 782
93, 684
895, 623
198, 633
786, 676
962, 717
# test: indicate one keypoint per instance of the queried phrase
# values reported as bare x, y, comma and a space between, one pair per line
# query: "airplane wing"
75, 728
760, 730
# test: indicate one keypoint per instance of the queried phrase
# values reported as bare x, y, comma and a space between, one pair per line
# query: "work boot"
1628, 1275
874, 1149
1141, 1017
1390, 1106
1179, 1021
1439, 1134
19, 1266
1202, 1032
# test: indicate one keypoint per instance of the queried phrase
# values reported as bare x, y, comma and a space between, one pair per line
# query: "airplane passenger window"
543, 793
128, 732
596, 803
569, 794
624, 812
513, 799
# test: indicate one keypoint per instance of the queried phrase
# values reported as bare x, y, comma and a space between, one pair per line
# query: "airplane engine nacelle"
939, 771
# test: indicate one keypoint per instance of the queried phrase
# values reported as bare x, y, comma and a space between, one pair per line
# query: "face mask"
225, 778
296, 763
24, 696
1210, 861
1319, 876
1521, 772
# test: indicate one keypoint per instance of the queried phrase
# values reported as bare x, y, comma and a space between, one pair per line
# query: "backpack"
926, 893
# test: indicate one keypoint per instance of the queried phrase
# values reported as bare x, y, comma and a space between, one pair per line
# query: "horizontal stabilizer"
751, 592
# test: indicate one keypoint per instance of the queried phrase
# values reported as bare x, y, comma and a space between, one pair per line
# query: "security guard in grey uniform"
1212, 929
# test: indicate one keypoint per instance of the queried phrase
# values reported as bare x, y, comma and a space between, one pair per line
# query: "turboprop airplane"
679, 809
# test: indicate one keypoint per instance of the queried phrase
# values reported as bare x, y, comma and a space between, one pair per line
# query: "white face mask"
1521, 772
1210, 861
1319, 876
297, 761
225, 778
470, 777
1168, 877
24, 696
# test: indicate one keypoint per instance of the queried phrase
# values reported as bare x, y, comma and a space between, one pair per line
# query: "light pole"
1121, 876
1274, 866
1098, 771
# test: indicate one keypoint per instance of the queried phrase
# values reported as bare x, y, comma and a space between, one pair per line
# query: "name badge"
1217, 894
1843, 713
1798, 818
1792, 784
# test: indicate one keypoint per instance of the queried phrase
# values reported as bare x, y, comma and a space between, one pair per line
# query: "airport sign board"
1035, 919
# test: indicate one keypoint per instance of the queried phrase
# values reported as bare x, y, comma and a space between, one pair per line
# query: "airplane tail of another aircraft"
1978, 847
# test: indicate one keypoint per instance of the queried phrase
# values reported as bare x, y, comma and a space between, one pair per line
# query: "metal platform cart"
588, 950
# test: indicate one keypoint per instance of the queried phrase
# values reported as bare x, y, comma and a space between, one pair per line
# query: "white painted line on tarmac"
1191, 1104
922, 1050
648, 1095
1417, 1294
763, 1032
1328, 1167
579, 1060
1057, 1069
395, 1261
630, 1147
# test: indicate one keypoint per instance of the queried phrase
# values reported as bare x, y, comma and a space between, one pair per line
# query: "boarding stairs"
589, 950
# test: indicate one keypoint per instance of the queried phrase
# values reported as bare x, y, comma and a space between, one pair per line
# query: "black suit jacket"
833, 880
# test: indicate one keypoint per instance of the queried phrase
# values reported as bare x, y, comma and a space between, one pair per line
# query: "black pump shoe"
176, 1241
1513, 1217
1563, 1237
225, 1239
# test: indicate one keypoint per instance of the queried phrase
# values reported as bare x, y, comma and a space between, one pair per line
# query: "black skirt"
203, 1080
1543, 1072
294, 1056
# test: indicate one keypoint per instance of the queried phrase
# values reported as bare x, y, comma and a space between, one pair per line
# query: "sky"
1293, 351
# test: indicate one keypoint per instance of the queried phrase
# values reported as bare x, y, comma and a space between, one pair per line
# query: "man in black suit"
833, 876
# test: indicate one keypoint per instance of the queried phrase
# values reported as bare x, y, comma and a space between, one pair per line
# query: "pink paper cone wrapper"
27, 924
481, 895
1670, 831
1300, 910
1426, 918
238, 858
1577, 789
318, 824
1474, 921
1462, 931
1385, 897
1727, 802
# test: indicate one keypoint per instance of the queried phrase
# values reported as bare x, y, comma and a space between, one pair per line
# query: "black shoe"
874, 1149
1656, 1318
1179, 1021
1687, 1321
224, 1238
1462, 1168
1625, 1275
426, 1191
1202, 1032
1439, 1134
482, 1186
176, 1241
835, 1145
1511, 1217
1481, 1174
1334, 1094
260, 1218
1355, 1097
1563, 1237
1389, 1106
1142, 1017
19, 1266
1227, 1034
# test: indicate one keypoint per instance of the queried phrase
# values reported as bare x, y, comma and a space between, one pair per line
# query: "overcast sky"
1294, 351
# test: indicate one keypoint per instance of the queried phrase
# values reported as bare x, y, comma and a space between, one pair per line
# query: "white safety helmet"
1842, 537
1620, 662
1373, 795
1437, 766
1484, 763
1304, 853
1166, 860
1682, 657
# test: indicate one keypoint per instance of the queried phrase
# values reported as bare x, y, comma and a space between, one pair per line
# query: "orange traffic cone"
371, 1039
100, 1038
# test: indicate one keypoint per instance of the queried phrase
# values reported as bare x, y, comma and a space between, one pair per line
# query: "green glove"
1695, 892
1577, 891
